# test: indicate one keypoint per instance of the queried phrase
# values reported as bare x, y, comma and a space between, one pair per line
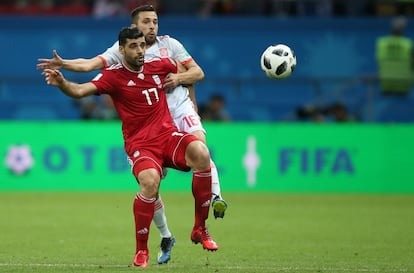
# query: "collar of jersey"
133, 71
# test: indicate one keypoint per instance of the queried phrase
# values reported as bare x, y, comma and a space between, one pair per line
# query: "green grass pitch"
94, 232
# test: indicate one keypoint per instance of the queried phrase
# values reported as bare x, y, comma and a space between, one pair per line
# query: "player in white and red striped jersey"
151, 139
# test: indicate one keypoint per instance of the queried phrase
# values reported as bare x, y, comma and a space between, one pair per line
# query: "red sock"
143, 214
202, 196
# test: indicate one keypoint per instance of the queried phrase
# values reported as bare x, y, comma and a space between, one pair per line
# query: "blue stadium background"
336, 62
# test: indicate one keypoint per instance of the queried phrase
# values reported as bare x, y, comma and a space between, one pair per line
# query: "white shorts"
183, 113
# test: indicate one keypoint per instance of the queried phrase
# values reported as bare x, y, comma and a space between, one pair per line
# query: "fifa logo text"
315, 161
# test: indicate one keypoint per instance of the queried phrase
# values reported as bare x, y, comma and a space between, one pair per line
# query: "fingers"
55, 54
170, 81
51, 72
51, 75
47, 78
47, 70
48, 63
43, 63
167, 83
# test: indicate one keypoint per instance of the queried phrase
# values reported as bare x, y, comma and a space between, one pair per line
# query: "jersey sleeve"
179, 52
172, 65
102, 81
111, 55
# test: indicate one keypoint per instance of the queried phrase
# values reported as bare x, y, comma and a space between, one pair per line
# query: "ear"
122, 50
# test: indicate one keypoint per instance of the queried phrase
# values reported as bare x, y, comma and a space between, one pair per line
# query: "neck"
134, 68
149, 45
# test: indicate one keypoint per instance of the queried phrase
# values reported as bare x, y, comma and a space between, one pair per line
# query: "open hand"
55, 63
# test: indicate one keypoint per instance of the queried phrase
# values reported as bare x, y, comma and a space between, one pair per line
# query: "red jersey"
140, 101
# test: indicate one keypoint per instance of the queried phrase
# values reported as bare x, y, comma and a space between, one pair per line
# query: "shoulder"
408, 40
155, 62
151, 63
115, 45
114, 67
163, 38
156, 65
152, 59
381, 41
166, 39
112, 71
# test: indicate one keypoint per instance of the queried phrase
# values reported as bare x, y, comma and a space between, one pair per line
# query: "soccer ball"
278, 61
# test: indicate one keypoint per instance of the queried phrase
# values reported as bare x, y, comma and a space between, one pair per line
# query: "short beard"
150, 43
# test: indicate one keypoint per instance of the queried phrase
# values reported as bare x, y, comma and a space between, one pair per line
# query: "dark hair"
139, 9
128, 33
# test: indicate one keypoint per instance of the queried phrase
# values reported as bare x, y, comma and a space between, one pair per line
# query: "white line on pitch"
262, 268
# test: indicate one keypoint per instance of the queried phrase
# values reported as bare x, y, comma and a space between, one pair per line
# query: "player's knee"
149, 181
198, 156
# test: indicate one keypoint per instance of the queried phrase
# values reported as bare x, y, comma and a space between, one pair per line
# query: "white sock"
160, 220
215, 183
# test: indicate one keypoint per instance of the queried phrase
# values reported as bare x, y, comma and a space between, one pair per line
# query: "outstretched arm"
74, 90
77, 65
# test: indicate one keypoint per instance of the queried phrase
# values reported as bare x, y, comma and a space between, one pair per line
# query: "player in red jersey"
151, 139
181, 102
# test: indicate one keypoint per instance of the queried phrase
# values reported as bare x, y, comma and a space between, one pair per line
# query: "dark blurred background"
336, 78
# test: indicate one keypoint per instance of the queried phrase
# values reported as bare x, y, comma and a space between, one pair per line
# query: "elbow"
76, 96
78, 93
93, 64
90, 66
86, 68
200, 75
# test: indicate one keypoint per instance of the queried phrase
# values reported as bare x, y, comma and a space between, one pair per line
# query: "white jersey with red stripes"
179, 103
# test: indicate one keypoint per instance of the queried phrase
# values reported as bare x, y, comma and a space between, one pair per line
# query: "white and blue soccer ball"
278, 61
